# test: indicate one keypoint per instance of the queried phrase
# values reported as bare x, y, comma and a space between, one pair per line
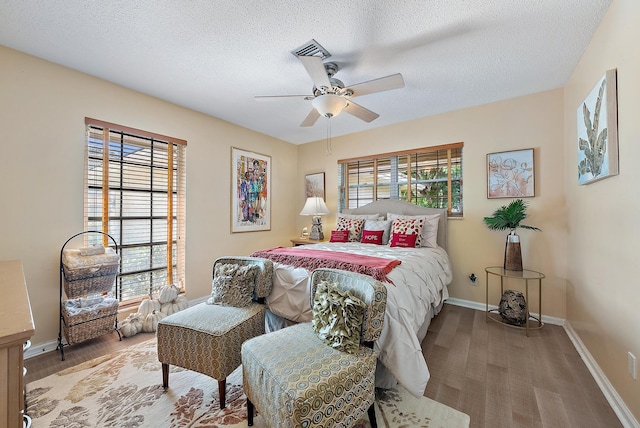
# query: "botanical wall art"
250, 191
598, 131
314, 185
510, 174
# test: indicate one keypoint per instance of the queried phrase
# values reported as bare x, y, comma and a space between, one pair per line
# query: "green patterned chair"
206, 338
296, 379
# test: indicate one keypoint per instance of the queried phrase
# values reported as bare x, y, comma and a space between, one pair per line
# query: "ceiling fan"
329, 95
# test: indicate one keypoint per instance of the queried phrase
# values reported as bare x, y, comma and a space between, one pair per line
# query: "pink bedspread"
376, 267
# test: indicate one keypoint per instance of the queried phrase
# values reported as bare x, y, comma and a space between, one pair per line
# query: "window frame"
395, 163
169, 164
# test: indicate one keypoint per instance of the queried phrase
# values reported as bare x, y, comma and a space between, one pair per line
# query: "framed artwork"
250, 191
510, 174
314, 185
598, 131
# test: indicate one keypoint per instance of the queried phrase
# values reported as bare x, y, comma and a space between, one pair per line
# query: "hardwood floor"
501, 378
44, 365
495, 374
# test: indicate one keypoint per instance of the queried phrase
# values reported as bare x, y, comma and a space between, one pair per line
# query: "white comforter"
420, 284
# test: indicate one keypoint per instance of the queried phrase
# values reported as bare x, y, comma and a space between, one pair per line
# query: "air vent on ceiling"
311, 48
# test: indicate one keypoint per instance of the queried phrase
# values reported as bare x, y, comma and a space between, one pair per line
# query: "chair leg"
372, 415
222, 391
165, 375
249, 413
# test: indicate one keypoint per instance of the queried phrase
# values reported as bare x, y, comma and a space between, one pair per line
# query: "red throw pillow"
372, 237
339, 236
401, 240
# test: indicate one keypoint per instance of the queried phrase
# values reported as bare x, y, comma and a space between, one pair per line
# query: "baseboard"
482, 307
615, 401
617, 404
52, 345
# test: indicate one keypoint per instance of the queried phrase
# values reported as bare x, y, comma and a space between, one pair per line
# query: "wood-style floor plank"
495, 374
511, 380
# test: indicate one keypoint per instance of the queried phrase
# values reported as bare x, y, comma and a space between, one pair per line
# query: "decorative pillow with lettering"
402, 240
412, 226
339, 236
429, 231
233, 285
384, 225
337, 317
353, 225
372, 236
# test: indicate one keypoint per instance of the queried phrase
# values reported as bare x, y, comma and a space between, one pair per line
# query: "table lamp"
316, 207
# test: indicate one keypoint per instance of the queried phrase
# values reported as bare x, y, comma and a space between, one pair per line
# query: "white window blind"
429, 177
135, 184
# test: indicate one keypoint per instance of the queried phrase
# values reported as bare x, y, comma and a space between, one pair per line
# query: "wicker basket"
96, 276
89, 323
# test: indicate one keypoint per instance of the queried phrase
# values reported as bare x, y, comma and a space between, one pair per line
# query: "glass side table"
525, 275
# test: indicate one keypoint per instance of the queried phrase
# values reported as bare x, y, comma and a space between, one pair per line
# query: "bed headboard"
384, 206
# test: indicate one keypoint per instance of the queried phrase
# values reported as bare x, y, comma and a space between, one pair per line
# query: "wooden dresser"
16, 328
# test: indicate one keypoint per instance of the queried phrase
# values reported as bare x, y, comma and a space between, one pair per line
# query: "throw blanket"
376, 267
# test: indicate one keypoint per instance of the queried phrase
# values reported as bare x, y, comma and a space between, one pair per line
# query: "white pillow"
359, 216
429, 231
379, 225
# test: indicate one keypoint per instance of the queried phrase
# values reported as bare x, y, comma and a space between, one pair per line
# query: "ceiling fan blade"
315, 68
360, 112
282, 97
311, 118
395, 81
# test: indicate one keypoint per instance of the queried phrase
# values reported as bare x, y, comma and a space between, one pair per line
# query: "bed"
416, 290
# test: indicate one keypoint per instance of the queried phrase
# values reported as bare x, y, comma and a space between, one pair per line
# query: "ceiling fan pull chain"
328, 136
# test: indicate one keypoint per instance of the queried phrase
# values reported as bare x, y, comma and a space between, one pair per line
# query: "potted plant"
510, 217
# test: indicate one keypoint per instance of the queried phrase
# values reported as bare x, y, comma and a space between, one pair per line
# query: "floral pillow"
353, 225
337, 317
429, 230
411, 226
233, 285
339, 236
372, 236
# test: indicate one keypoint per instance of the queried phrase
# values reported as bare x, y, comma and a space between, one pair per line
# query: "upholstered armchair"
206, 338
320, 373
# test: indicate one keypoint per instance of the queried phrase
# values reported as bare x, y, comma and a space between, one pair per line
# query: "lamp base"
316, 229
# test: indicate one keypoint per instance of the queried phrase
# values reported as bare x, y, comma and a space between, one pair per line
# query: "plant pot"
512, 252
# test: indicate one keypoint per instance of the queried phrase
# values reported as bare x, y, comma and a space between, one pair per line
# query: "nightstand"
523, 275
304, 241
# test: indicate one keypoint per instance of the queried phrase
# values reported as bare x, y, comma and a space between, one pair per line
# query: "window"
429, 177
135, 192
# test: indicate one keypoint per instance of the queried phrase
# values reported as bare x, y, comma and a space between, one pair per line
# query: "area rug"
124, 390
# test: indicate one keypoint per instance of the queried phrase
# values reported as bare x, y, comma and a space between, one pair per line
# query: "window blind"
429, 177
135, 184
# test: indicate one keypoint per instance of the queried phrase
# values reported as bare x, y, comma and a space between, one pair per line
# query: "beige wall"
587, 247
42, 111
602, 279
534, 121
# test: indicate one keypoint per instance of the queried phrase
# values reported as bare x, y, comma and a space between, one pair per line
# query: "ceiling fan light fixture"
329, 105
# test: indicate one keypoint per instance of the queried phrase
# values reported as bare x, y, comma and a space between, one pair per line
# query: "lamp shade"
329, 105
314, 206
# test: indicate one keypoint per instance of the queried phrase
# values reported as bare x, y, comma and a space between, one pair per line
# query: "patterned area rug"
124, 389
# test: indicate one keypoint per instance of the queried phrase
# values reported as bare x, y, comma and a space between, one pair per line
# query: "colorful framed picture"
598, 131
510, 174
314, 185
250, 191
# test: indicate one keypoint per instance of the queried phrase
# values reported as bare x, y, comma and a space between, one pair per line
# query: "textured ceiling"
214, 56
